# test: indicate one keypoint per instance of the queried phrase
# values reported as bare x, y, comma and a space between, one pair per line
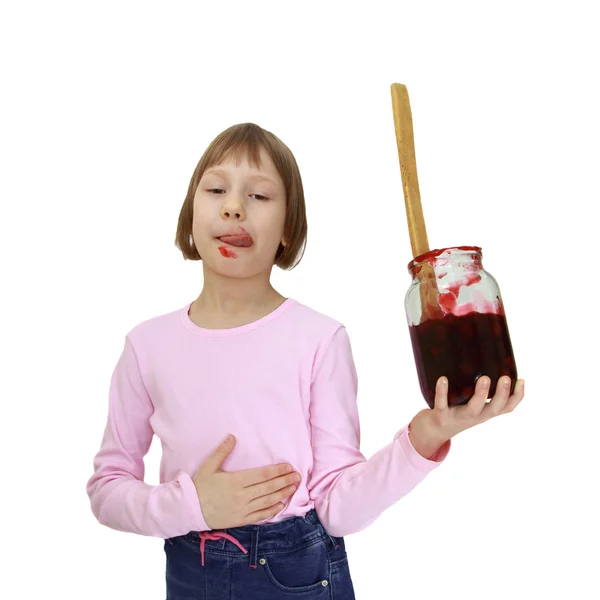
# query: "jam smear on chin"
226, 252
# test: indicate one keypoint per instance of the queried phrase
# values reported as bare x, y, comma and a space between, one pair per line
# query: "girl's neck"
226, 302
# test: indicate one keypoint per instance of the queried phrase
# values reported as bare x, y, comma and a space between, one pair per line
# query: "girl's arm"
348, 490
119, 497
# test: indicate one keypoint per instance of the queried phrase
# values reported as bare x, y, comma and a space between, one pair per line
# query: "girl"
261, 515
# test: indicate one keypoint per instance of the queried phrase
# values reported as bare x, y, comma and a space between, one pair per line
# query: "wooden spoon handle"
412, 199
408, 167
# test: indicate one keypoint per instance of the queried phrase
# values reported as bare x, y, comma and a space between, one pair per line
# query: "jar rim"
432, 254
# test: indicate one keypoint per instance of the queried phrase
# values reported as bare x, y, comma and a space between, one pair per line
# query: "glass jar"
458, 330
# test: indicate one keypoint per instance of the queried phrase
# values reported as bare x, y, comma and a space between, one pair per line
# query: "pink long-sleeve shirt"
284, 385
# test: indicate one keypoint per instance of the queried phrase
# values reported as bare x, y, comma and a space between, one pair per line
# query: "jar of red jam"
457, 323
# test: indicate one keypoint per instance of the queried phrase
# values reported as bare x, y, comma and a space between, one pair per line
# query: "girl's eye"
259, 196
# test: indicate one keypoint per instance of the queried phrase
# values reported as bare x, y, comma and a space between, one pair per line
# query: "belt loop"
254, 548
333, 542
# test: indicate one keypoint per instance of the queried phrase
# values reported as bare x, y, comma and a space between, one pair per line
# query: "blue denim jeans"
294, 558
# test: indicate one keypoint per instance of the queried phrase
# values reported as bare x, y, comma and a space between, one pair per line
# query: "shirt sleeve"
349, 491
118, 495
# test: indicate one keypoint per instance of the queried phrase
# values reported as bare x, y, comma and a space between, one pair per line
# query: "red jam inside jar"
461, 331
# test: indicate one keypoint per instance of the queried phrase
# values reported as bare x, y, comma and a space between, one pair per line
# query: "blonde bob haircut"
246, 139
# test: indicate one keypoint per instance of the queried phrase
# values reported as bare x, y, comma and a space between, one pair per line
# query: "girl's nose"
233, 209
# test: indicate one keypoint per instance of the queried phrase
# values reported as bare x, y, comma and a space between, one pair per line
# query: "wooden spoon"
412, 199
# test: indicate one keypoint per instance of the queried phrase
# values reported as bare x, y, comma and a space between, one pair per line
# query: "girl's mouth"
242, 240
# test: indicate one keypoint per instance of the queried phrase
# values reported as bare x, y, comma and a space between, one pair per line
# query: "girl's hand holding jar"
430, 429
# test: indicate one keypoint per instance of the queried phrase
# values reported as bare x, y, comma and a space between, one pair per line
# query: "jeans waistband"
287, 534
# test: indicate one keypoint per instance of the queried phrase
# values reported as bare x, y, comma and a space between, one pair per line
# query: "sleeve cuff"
420, 462
190, 496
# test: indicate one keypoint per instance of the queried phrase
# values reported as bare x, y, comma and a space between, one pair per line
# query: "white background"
107, 108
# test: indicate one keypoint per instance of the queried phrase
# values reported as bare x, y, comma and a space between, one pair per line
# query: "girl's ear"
284, 243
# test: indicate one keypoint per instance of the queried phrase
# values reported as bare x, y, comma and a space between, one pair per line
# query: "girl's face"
239, 200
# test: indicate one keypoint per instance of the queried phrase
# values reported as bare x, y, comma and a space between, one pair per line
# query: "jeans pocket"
341, 580
305, 570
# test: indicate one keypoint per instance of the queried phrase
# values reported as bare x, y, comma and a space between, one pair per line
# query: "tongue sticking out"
240, 241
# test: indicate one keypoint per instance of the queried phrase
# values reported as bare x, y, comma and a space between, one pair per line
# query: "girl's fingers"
441, 394
517, 396
479, 398
497, 404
